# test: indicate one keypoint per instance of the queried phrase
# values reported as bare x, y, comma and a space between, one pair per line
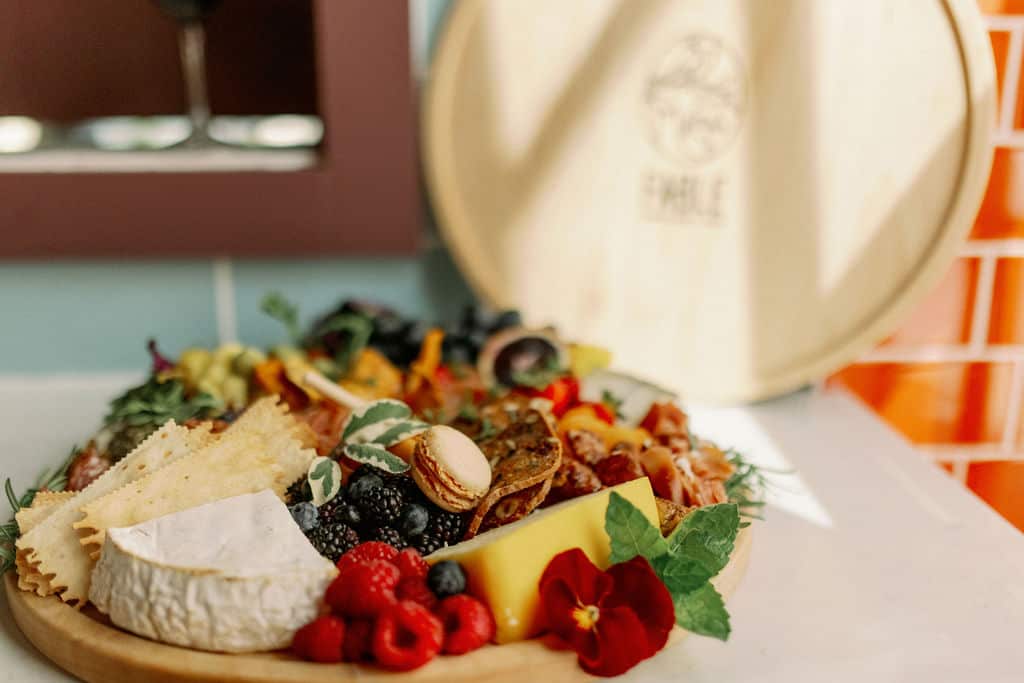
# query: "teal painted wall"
96, 316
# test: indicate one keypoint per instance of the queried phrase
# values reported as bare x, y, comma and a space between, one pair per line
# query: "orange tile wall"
964, 411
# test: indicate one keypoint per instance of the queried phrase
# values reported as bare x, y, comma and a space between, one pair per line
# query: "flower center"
586, 616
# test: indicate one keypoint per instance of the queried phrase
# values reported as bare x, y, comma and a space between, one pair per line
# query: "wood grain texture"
736, 197
84, 644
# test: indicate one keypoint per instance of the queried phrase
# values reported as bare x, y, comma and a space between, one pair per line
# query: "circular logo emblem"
695, 99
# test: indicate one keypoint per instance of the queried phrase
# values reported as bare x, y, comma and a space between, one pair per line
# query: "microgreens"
279, 308
541, 376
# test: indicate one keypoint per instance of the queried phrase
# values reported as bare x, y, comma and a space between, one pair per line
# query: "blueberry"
366, 483
478, 317
446, 578
476, 339
510, 318
305, 515
413, 520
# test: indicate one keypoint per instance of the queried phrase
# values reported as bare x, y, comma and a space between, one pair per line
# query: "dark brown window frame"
361, 197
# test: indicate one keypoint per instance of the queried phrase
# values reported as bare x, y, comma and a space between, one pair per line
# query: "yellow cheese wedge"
504, 566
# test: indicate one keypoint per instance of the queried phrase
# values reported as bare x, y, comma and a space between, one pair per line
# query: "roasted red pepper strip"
564, 393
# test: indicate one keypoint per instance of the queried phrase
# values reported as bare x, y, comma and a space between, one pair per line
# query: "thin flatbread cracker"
261, 450
52, 549
43, 504
46, 498
524, 458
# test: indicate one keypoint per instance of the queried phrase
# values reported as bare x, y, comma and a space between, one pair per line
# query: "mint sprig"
686, 562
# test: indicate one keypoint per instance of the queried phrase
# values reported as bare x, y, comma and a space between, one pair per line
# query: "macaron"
450, 469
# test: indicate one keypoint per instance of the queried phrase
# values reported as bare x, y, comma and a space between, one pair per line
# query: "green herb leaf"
376, 456
706, 537
487, 430
324, 479
613, 402
630, 532
541, 376
141, 410
277, 307
703, 611
680, 574
357, 328
370, 415
401, 431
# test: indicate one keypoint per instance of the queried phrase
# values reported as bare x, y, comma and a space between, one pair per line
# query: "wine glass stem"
192, 40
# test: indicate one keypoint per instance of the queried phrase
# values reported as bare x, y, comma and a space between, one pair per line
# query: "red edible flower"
160, 362
612, 619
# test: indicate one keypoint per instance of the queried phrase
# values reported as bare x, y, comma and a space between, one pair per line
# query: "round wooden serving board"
735, 197
86, 645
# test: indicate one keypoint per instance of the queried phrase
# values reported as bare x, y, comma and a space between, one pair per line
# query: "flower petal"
620, 644
569, 581
637, 586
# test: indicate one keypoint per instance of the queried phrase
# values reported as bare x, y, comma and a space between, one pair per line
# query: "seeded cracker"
261, 450
50, 556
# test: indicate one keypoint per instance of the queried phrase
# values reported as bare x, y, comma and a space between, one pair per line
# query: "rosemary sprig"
9, 532
746, 487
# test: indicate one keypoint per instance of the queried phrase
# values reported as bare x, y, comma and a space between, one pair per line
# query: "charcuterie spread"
380, 491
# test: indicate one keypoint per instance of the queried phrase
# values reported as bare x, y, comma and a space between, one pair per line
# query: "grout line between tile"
1013, 407
982, 309
1011, 82
224, 301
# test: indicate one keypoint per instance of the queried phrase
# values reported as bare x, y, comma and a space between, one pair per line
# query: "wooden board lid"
736, 197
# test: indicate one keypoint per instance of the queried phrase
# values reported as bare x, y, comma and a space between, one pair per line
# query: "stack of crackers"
176, 468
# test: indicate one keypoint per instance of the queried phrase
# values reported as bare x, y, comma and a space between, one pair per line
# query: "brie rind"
236, 575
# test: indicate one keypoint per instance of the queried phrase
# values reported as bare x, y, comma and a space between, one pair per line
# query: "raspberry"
320, 640
367, 552
363, 590
411, 563
358, 641
407, 636
415, 588
468, 624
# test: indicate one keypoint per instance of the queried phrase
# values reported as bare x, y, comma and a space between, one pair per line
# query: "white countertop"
873, 565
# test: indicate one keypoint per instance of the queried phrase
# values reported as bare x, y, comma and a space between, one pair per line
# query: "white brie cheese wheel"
236, 575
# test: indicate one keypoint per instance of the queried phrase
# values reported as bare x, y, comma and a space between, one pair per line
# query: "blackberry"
448, 527
381, 506
363, 485
334, 541
330, 512
404, 483
298, 492
388, 535
427, 544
